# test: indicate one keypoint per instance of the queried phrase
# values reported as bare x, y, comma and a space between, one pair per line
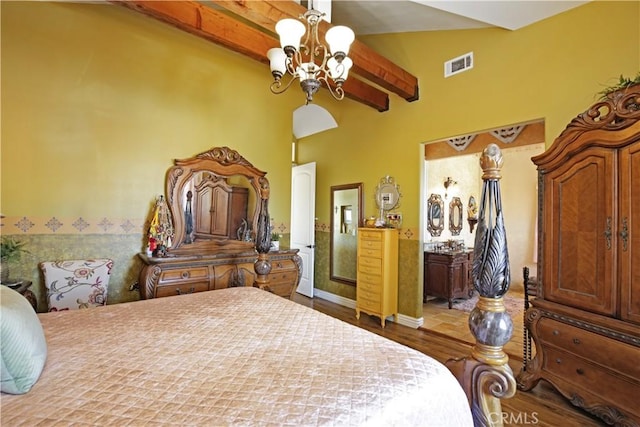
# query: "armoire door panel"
577, 226
629, 233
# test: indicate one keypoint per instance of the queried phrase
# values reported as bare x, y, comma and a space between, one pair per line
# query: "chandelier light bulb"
277, 62
339, 39
290, 32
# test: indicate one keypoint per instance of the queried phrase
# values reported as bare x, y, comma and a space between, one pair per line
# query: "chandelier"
311, 62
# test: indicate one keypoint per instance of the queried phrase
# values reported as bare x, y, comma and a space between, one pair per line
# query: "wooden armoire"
585, 320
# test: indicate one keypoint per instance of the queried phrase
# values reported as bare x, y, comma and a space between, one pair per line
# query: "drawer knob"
185, 274
556, 332
558, 361
580, 371
576, 341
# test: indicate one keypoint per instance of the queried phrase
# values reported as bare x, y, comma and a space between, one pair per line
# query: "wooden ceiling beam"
225, 30
366, 62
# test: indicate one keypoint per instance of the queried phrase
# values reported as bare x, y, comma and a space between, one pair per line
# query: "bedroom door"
303, 208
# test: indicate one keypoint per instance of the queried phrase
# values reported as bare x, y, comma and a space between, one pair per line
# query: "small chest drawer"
374, 279
369, 287
371, 252
370, 235
282, 265
283, 277
370, 262
169, 290
281, 289
613, 354
185, 274
370, 298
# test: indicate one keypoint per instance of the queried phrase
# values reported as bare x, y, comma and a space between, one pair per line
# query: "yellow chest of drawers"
377, 276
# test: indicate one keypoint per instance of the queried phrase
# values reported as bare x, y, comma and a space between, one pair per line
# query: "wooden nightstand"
22, 286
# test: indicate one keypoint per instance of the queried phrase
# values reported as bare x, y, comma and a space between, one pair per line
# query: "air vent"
459, 64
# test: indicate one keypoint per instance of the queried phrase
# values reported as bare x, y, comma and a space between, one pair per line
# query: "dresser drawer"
613, 354
185, 274
368, 304
182, 288
588, 376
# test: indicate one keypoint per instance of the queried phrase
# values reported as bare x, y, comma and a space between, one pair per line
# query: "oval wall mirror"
387, 195
347, 214
435, 215
455, 216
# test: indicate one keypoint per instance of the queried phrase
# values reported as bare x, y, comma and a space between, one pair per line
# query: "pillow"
23, 349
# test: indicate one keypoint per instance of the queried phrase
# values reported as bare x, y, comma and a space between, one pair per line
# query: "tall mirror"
347, 214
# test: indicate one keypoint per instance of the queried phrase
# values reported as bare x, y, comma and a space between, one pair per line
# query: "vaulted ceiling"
248, 27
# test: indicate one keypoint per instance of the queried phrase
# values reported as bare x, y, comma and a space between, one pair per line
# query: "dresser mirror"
218, 202
455, 216
435, 215
347, 214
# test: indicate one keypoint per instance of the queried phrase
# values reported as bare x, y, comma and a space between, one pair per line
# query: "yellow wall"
550, 70
97, 100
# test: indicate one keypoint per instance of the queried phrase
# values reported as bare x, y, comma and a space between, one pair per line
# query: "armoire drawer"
588, 376
613, 354
168, 290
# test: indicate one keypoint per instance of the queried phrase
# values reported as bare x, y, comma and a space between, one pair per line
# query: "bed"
235, 356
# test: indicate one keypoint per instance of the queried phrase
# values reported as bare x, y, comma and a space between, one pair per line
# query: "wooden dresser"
447, 275
161, 277
585, 321
377, 275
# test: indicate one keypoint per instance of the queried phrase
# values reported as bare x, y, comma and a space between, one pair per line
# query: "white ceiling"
394, 16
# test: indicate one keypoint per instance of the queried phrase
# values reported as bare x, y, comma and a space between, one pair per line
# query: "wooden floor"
542, 406
453, 323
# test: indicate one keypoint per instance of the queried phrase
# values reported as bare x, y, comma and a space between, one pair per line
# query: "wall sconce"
448, 183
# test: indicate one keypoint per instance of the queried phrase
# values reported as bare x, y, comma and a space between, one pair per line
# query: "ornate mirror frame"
435, 215
222, 162
455, 216
343, 231
387, 195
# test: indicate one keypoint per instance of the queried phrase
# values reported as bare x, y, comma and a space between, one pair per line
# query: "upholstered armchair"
75, 284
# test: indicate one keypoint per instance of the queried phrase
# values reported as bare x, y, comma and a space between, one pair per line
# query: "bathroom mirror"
455, 216
435, 215
347, 214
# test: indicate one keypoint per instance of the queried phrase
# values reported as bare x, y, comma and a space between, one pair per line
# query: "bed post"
486, 376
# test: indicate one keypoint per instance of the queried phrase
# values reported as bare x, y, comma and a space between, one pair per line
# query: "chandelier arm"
337, 92
277, 87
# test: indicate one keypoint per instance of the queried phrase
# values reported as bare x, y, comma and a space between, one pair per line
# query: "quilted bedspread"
231, 357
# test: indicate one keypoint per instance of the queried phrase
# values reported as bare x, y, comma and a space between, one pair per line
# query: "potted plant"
10, 250
275, 241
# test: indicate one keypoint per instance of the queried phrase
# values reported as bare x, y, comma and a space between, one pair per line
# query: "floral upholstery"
76, 284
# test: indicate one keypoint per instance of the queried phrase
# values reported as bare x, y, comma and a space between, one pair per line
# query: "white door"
303, 209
